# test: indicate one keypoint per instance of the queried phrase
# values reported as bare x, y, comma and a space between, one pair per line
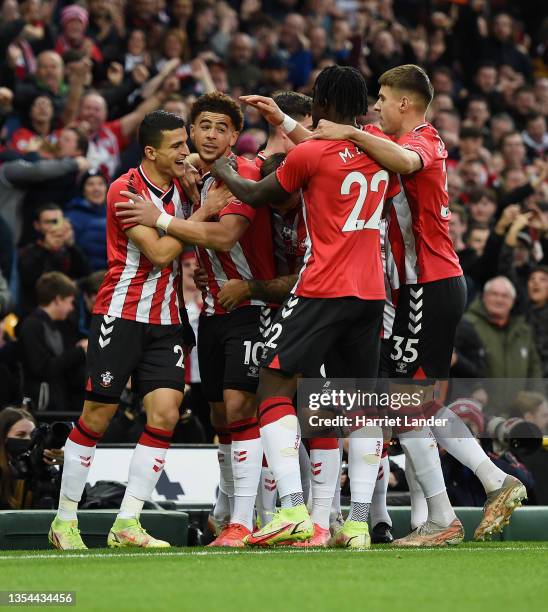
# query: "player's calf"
78, 456
147, 464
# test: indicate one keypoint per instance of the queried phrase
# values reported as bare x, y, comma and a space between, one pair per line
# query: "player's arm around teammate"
220, 236
254, 193
275, 291
388, 153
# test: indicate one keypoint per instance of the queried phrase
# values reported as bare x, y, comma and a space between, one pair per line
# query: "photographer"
463, 486
27, 476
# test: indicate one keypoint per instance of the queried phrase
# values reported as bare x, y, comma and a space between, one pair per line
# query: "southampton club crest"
106, 379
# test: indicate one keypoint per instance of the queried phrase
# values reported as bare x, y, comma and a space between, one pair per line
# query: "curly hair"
218, 102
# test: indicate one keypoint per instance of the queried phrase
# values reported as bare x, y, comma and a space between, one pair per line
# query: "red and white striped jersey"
105, 147
419, 218
134, 288
251, 257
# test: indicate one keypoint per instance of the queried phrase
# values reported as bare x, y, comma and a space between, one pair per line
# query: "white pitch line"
212, 553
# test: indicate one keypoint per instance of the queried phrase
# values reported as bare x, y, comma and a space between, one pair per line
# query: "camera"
41, 479
517, 435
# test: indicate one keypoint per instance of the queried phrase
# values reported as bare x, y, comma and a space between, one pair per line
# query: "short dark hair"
470, 132
477, 98
82, 141
443, 70
541, 268
91, 283
523, 89
505, 137
482, 192
533, 117
152, 126
272, 163
342, 88
72, 55
296, 105
217, 102
43, 208
459, 210
53, 284
486, 64
409, 77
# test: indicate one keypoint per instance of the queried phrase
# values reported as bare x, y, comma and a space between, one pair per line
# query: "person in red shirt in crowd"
74, 23
108, 138
38, 128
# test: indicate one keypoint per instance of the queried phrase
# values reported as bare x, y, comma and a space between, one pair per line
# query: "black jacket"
46, 358
34, 260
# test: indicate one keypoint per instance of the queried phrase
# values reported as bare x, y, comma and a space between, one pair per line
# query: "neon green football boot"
65, 535
128, 533
288, 525
353, 534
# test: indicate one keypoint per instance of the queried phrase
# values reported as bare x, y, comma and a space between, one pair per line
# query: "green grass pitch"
491, 576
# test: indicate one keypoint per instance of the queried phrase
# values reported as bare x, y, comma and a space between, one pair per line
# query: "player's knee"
239, 405
97, 416
165, 416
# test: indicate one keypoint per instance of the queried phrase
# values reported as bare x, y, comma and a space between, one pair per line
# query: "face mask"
17, 446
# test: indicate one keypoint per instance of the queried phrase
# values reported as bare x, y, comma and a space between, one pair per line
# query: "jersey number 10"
353, 222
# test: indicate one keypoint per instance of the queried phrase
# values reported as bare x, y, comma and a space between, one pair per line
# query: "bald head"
241, 48
49, 70
93, 110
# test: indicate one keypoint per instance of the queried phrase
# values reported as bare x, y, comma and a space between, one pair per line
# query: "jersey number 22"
353, 222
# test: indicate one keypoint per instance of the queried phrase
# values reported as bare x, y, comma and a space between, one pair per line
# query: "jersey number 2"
354, 223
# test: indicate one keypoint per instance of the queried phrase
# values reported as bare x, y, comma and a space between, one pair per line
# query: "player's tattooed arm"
274, 115
254, 193
236, 291
388, 154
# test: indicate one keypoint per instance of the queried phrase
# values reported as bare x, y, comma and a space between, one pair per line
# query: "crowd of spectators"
77, 78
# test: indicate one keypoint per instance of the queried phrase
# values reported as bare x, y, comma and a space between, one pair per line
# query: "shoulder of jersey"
425, 130
129, 179
370, 128
376, 131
